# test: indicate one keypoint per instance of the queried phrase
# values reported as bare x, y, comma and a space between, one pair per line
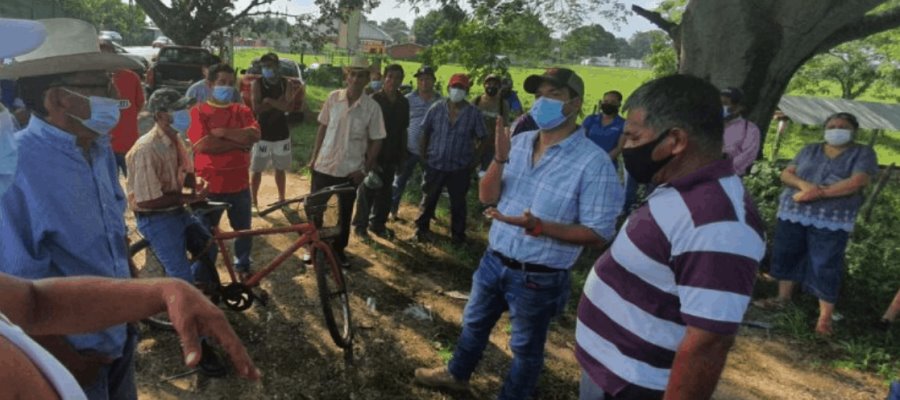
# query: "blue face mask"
223, 94
548, 113
268, 73
181, 120
376, 85
104, 112
8, 154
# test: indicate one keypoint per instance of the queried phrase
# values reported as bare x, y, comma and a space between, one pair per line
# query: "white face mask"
838, 137
457, 95
104, 112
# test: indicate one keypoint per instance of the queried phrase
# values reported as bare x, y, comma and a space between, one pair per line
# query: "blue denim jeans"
172, 235
239, 215
811, 256
533, 300
116, 380
402, 178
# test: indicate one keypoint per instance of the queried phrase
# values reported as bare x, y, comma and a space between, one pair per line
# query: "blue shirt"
573, 183
607, 137
514, 104
835, 213
201, 91
63, 216
451, 147
418, 107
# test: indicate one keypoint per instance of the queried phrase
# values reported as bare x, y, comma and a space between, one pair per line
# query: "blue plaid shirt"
451, 147
573, 183
418, 107
63, 216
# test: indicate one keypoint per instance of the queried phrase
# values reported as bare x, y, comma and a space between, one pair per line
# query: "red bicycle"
239, 294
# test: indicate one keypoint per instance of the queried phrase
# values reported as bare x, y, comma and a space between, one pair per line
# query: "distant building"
405, 51
372, 39
609, 61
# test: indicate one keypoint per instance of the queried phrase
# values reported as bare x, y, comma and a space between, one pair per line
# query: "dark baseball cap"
558, 77
732, 93
168, 100
424, 70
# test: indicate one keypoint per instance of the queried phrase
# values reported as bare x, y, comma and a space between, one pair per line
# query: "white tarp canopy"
814, 110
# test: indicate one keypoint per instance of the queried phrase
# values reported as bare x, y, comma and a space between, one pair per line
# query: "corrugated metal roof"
814, 110
368, 31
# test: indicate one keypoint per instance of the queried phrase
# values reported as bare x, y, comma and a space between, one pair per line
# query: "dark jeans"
402, 177
812, 256
239, 215
533, 300
457, 184
345, 206
120, 163
172, 235
374, 205
115, 381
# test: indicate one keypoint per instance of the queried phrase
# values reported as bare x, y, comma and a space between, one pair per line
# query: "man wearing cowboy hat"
63, 214
351, 129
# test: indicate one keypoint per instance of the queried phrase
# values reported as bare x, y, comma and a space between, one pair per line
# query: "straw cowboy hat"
358, 62
71, 46
21, 36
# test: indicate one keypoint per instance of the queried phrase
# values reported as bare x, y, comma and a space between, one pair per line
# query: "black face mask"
609, 109
492, 91
639, 160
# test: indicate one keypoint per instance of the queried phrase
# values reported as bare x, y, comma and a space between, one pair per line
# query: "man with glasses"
63, 214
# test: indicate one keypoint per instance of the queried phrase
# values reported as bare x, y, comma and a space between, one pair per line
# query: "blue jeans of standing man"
533, 300
402, 177
115, 381
172, 234
239, 215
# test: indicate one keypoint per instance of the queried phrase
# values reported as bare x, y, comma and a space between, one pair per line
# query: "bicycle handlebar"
324, 193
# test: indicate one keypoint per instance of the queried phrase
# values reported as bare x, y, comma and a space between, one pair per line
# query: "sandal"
772, 303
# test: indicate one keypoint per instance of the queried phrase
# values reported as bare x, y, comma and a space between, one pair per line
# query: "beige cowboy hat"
71, 46
358, 62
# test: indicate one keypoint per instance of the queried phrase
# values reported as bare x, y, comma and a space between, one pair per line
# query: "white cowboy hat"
21, 36
71, 46
358, 62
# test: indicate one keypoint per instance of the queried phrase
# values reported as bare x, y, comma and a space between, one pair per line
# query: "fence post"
870, 202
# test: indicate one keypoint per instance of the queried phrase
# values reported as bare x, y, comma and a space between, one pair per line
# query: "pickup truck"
178, 67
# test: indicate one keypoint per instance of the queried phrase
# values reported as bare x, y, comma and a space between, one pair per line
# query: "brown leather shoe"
439, 378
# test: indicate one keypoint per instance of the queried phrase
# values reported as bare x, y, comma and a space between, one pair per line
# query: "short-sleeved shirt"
418, 107
491, 112
514, 103
156, 165
273, 122
573, 183
687, 257
741, 143
201, 91
396, 120
605, 136
350, 127
226, 172
125, 133
63, 217
451, 147
835, 213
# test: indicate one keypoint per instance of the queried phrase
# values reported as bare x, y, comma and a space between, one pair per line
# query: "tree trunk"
759, 45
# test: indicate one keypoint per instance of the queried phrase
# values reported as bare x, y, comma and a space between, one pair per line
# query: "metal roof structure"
814, 110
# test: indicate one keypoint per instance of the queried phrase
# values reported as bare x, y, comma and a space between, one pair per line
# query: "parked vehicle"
145, 63
162, 41
288, 69
178, 67
112, 35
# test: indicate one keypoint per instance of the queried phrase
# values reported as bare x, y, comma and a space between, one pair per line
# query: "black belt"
174, 211
512, 263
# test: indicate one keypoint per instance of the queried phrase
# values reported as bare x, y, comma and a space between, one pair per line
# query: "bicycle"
240, 294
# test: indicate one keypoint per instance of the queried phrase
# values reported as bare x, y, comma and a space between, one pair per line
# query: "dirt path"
288, 340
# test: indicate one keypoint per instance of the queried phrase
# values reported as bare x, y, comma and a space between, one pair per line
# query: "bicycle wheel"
334, 297
148, 266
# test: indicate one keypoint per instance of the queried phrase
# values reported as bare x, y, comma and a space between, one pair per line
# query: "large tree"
437, 24
397, 28
110, 15
588, 41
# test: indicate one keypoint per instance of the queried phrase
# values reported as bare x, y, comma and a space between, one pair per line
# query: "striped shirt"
688, 257
573, 183
418, 107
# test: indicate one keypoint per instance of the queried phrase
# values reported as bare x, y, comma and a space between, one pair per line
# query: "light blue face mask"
548, 113
181, 120
104, 112
376, 85
268, 73
8, 154
223, 94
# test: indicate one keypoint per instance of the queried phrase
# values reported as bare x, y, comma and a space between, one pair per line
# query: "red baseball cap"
460, 79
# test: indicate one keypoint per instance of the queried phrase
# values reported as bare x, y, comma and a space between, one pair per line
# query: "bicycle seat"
205, 207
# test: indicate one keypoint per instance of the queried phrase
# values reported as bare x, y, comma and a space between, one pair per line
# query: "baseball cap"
556, 76
167, 99
733, 93
491, 77
425, 70
459, 79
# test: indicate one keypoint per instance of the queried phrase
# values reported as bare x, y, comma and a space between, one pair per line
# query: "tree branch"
866, 26
657, 19
155, 9
253, 4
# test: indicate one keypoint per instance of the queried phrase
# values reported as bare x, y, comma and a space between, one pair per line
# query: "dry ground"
288, 340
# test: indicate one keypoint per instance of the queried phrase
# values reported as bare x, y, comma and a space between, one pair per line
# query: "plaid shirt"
573, 183
451, 147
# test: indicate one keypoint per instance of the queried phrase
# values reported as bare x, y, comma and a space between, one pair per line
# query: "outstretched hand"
526, 220
193, 316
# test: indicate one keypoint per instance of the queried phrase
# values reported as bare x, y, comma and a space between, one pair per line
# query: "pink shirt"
741, 143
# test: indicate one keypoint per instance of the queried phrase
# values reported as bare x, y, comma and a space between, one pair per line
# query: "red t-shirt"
125, 132
226, 172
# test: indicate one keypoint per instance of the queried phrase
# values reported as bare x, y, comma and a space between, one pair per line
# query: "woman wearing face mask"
816, 213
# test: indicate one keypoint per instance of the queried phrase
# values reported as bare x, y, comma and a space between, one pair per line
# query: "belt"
174, 211
512, 263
